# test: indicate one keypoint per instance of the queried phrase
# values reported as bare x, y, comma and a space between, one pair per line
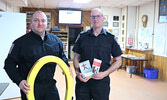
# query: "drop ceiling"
70, 4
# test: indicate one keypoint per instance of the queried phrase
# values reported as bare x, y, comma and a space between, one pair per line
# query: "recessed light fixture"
82, 1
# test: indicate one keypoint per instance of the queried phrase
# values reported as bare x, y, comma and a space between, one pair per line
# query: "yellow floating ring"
39, 64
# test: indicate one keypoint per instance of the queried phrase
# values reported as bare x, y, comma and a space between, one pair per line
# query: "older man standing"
100, 44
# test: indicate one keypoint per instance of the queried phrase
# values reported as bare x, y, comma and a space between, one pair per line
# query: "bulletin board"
145, 36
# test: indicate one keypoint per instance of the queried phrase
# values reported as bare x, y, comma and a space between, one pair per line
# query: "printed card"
86, 69
96, 65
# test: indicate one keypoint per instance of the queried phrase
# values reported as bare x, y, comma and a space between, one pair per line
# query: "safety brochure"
86, 69
96, 65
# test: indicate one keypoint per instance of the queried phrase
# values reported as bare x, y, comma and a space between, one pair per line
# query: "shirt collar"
103, 31
37, 36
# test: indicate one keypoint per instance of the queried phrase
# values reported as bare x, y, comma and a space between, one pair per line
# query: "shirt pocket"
105, 48
86, 49
104, 51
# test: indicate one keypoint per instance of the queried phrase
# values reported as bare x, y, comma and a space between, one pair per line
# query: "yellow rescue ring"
39, 64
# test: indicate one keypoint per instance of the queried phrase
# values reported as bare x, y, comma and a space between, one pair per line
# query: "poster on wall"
159, 45
115, 18
29, 14
145, 38
162, 11
116, 32
115, 24
48, 26
160, 41
48, 14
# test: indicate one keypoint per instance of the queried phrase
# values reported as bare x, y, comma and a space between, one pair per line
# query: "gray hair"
98, 9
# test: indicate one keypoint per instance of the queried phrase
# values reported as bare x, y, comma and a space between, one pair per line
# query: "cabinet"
63, 35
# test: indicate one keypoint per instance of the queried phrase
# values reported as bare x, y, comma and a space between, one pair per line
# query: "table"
135, 60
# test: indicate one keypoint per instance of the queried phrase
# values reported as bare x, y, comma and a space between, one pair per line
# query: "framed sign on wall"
29, 14
48, 14
162, 11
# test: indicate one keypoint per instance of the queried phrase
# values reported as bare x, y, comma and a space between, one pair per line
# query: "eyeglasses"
98, 16
37, 20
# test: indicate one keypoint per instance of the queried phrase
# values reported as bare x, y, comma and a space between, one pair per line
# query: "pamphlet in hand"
86, 69
96, 65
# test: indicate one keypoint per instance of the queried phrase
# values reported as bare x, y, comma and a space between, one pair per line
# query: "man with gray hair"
96, 43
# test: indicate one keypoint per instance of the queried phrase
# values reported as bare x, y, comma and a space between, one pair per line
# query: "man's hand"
99, 76
71, 71
111, 69
81, 77
24, 86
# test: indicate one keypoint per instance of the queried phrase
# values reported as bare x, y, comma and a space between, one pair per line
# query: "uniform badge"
116, 39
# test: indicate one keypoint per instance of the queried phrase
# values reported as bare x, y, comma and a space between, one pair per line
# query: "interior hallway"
123, 87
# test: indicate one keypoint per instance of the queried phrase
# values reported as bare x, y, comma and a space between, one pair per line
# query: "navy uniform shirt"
26, 50
101, 47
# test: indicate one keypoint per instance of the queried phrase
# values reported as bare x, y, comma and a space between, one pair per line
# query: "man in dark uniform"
26, 50
100, 44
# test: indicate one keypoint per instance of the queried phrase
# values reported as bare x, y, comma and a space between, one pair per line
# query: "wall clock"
144, 20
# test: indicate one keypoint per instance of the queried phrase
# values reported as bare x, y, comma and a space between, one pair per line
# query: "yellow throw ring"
39, 64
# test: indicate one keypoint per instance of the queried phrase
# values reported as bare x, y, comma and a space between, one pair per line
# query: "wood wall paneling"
54, 17
160, 63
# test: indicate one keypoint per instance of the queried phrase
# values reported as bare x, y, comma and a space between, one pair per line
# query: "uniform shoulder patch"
11, 48
83, 32
109, 32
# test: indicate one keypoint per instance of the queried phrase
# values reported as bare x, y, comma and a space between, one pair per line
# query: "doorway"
73, 33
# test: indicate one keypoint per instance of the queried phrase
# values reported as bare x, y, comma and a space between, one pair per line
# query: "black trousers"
44, 91
93, 89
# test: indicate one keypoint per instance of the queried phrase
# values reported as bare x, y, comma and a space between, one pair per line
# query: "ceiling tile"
89, 6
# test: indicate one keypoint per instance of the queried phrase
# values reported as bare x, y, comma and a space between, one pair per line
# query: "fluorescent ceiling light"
82, 1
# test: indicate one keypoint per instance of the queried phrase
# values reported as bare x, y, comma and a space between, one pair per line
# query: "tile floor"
123, 87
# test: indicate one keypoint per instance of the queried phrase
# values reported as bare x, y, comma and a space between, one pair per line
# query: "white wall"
160, 35
155, 32
131, 24
147, 9
110, 12
9, 32
6, 7
122, 39
145, 34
